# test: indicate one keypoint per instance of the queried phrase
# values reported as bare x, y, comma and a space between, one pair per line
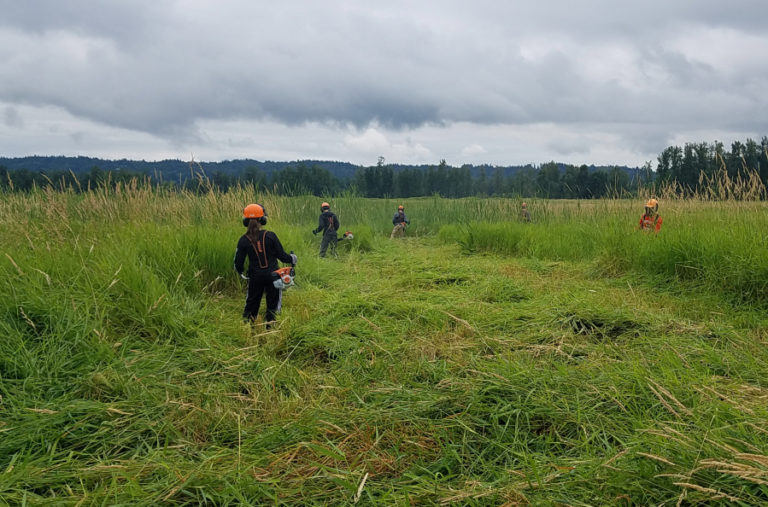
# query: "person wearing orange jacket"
650, 221
263, 249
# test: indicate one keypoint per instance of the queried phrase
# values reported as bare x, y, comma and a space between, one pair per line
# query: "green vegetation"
481, 360
695, 170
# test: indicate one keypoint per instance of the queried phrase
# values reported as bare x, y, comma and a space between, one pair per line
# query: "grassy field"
479, 361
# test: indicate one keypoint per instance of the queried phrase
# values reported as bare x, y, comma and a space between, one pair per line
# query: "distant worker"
400, 221
263, 250
328, 223
650, 221
525, 215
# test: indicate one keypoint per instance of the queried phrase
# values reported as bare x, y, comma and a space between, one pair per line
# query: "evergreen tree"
549, 180
618, 182
497, 182
252, 175
481, 184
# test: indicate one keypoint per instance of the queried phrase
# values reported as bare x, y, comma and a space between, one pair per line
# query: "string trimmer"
283, 278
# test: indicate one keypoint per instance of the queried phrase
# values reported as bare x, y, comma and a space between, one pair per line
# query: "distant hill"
169, 170
179, 170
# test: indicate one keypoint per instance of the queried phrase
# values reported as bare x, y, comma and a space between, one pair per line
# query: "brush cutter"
283, 278
346, 235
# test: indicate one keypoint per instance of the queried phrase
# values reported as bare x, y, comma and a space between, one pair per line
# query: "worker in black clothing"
328, 223
263, 250
399, 221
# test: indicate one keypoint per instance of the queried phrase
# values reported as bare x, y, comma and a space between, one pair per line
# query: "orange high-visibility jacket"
649, 222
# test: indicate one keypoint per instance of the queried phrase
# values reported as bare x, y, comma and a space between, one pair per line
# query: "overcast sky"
503, 82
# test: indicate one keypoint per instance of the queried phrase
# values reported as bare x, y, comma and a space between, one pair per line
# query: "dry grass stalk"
615, 457
43, 411
657, 458
360, 489
460, 321
757, 458
702, 489
682, 407
18, 269
664, 402
726, 399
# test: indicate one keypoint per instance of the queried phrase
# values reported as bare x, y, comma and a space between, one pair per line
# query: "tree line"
549, 180
695, 165
692, 167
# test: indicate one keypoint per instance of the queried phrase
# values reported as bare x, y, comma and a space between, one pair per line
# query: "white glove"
293, 259
243, 276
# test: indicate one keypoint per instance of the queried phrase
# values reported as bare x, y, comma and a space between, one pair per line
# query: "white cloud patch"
473, 150
370, 141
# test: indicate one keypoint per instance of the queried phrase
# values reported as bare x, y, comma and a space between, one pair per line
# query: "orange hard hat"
652, 203
400, 207
325, 205
253, 211
524, 205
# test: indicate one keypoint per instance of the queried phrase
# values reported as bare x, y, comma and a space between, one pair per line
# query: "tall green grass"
721, 247
546, 367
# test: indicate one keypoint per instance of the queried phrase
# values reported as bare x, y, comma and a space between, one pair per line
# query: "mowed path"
457, 377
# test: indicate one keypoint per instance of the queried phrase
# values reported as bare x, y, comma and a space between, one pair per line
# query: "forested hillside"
694, 168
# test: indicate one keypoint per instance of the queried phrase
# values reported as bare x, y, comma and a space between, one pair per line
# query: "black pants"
257, 286
329, 239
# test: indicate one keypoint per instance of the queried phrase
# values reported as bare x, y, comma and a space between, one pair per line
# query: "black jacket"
399, 219
328, 223
262, 254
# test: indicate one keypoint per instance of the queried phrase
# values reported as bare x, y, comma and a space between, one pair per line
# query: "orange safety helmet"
253, 211
400, 207
652, 203
256, 211
325, 206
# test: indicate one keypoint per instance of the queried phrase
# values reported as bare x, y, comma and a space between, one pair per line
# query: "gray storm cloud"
161, 67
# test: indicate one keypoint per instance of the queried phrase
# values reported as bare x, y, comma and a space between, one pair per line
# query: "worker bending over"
400, 221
